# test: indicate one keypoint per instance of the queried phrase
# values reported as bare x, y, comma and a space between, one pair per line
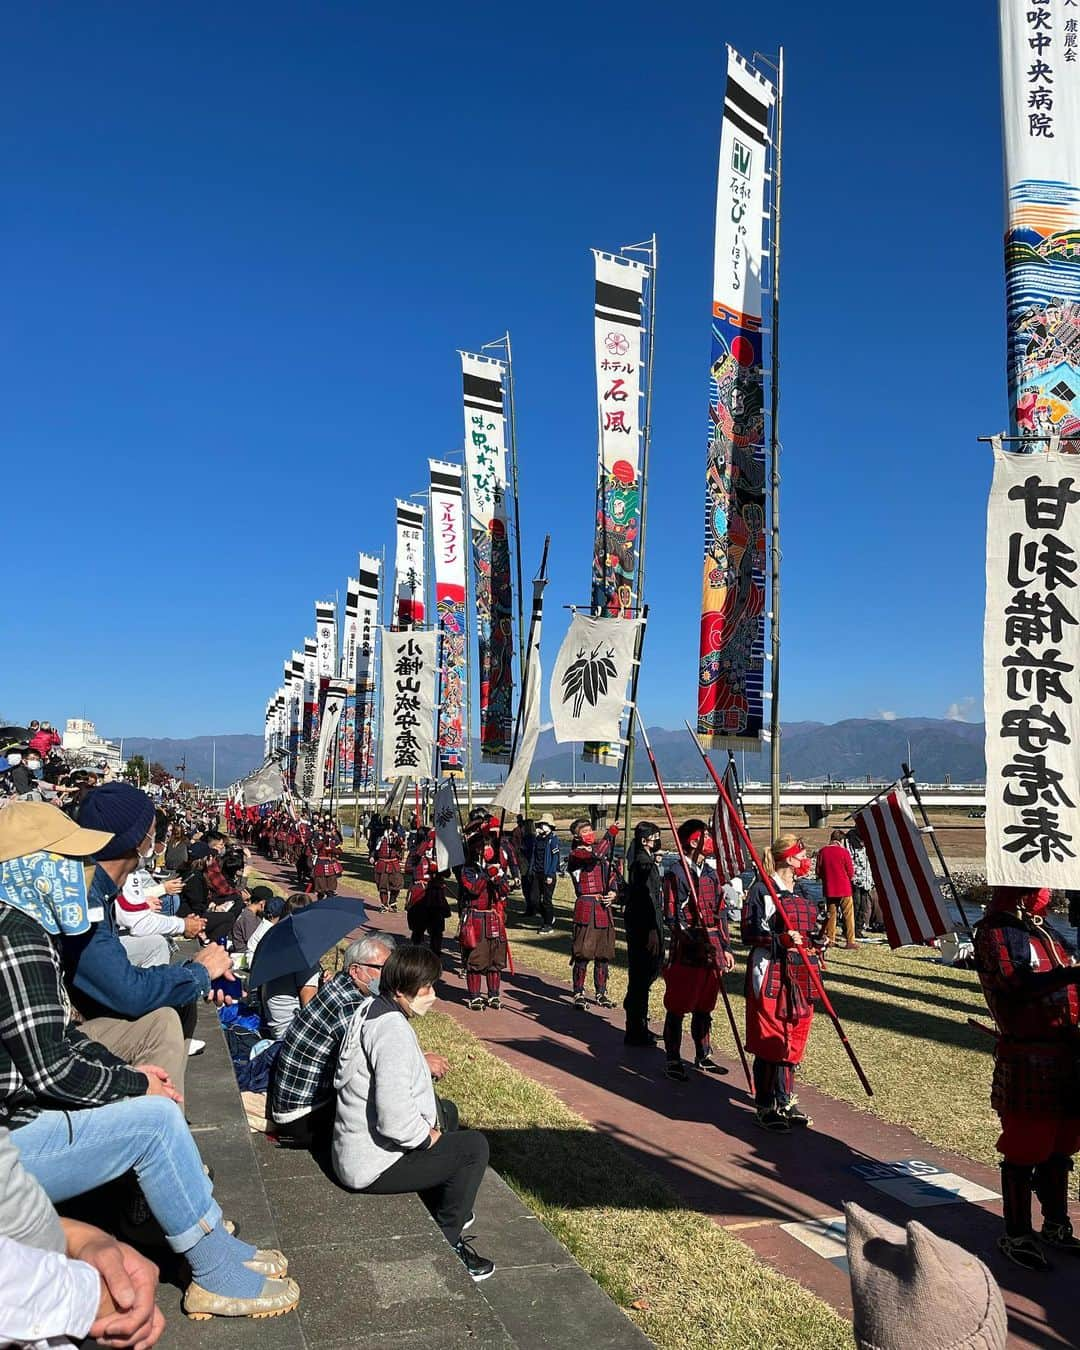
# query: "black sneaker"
675, 1069
773, 1121
602, 1001
581, 1002
1061, 1236
709, 1065
794, 1115
476, 1005
494, 1001
1024, 1251
479, 1267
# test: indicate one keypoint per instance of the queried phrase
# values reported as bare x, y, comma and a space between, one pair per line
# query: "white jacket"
134, 916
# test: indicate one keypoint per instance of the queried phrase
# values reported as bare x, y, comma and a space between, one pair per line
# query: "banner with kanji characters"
409, 570
329, 726
485, 465
367, 625
409, 666
731, 666
298, 667
311, 689
1040, 74
448, 547
325, 658
1031, 650
347, 729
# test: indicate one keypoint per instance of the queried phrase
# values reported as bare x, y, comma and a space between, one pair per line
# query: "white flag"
332, 709
508, 797
265, 785
588, 684
408, 710
449, 849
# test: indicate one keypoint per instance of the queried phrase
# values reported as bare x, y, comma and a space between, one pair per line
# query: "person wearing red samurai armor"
593, 872
426, 907
699, 952
326, 846
388, 855
482, 892
1032, 989
779, 995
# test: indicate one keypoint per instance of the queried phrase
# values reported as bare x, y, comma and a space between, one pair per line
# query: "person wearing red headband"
482, 892
1032, 989
595, 877
779, 997
699, 954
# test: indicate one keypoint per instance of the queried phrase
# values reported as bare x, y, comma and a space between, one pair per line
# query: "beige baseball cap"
34, 827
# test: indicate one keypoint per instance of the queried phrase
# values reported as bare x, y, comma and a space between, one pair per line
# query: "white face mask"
14, 758
422, 1004
33, 763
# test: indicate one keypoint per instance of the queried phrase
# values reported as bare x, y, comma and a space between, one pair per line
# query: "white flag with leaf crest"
590, 678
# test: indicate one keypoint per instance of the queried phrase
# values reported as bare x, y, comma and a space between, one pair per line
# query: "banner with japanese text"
731, 667
367, 626
296, 716
329, 726
309, 737
409, 570
485, 466
326, 645
1031, 651
409, 666
347, 729
1040, 76
448, 546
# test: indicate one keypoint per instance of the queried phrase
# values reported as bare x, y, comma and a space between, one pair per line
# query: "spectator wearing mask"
387, 1136
44, 740
301, 1100
544, 860
251, 916
19, 779
144, 929
836, 872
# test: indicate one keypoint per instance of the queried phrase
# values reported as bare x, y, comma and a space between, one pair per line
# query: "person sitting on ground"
145, 930
387, 1137
248, 921
107, 988
301, 1099
51, 1075
274, 910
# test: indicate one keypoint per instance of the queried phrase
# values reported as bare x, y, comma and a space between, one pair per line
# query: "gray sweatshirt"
385, 1098
26, 1214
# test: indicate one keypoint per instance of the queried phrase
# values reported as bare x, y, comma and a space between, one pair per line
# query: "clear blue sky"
241, 243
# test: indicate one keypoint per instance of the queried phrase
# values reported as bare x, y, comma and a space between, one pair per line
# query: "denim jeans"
71, 1152
170, 904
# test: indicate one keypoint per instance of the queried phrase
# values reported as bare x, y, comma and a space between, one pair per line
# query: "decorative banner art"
1041, 113
264, 785
448, 545
409, 666
485, 464
333, 706
347, 731
296, 716
1031, 650
367, 618
311, 718
732, 644
325, 658
449, 847
590, 678
409, 571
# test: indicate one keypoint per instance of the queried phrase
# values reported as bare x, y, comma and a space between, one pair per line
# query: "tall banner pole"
775, 447
517, 521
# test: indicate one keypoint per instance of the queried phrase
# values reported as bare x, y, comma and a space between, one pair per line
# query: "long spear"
693, 893
781, 913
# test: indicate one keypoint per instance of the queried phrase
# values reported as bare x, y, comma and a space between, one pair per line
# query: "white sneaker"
195, 1047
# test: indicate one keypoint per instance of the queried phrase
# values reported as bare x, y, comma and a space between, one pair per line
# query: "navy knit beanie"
123, 811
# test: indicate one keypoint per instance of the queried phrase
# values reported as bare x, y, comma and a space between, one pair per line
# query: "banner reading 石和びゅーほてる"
369, 575
485, 467
409, 668
732, 645
448, 546
1040, 70
409, 568
1031, 652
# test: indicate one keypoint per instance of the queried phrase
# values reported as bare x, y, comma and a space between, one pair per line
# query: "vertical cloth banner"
309, 740
508, 796
449, 848
730, 850
347, 731
731, 668
296, 717
485, 465
1040, 78
907, 889
590, 677
448, 546
409, 667
409, 570
367, 621
1031, 649
326, 645
333, 706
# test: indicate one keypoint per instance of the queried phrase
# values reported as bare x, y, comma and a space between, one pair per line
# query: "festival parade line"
782, 1195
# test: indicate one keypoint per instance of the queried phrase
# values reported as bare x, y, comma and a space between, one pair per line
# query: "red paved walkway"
701, 1137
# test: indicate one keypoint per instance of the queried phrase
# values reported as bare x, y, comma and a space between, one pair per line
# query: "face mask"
33, 764
422, 1004
587, 837
802, 867
1040, 902
373, 986
708, 848
14, 758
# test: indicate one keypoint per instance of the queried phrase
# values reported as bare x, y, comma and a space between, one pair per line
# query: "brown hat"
912, 1290
33, 827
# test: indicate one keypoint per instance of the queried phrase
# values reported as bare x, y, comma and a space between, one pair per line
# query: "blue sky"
240, 245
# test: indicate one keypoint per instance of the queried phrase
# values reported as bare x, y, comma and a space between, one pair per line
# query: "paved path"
702, 1138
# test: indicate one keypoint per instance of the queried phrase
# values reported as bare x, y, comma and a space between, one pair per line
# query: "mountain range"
850, 751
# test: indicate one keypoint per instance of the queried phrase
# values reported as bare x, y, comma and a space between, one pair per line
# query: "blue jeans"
71, 1152
170, 904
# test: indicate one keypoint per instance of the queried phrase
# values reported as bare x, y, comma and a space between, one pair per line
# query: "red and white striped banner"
908, 891
730, 850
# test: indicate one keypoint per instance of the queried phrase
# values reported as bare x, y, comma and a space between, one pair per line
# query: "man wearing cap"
107, 988
251, 917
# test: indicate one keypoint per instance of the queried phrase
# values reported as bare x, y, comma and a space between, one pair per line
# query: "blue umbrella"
301, 941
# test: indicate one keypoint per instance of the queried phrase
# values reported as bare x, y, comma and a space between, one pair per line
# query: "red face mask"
587, 836
1040, 902
708, 848
489, 853
802, 867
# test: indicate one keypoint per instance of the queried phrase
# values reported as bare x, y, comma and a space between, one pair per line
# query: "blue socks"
217, 1263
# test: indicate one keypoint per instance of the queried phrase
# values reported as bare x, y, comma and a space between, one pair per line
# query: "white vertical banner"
1031, 649
409, 668
367, 619
333, 707
449, 847
590, 679
325, 639
350, 630
409, 570
449, 550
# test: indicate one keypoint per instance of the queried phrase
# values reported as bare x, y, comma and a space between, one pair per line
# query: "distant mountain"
236, 755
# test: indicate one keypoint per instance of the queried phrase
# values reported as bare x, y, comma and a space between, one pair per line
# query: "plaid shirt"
215, 878
303, 1075
45, 1064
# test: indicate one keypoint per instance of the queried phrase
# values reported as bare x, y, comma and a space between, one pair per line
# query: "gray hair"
366, 951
